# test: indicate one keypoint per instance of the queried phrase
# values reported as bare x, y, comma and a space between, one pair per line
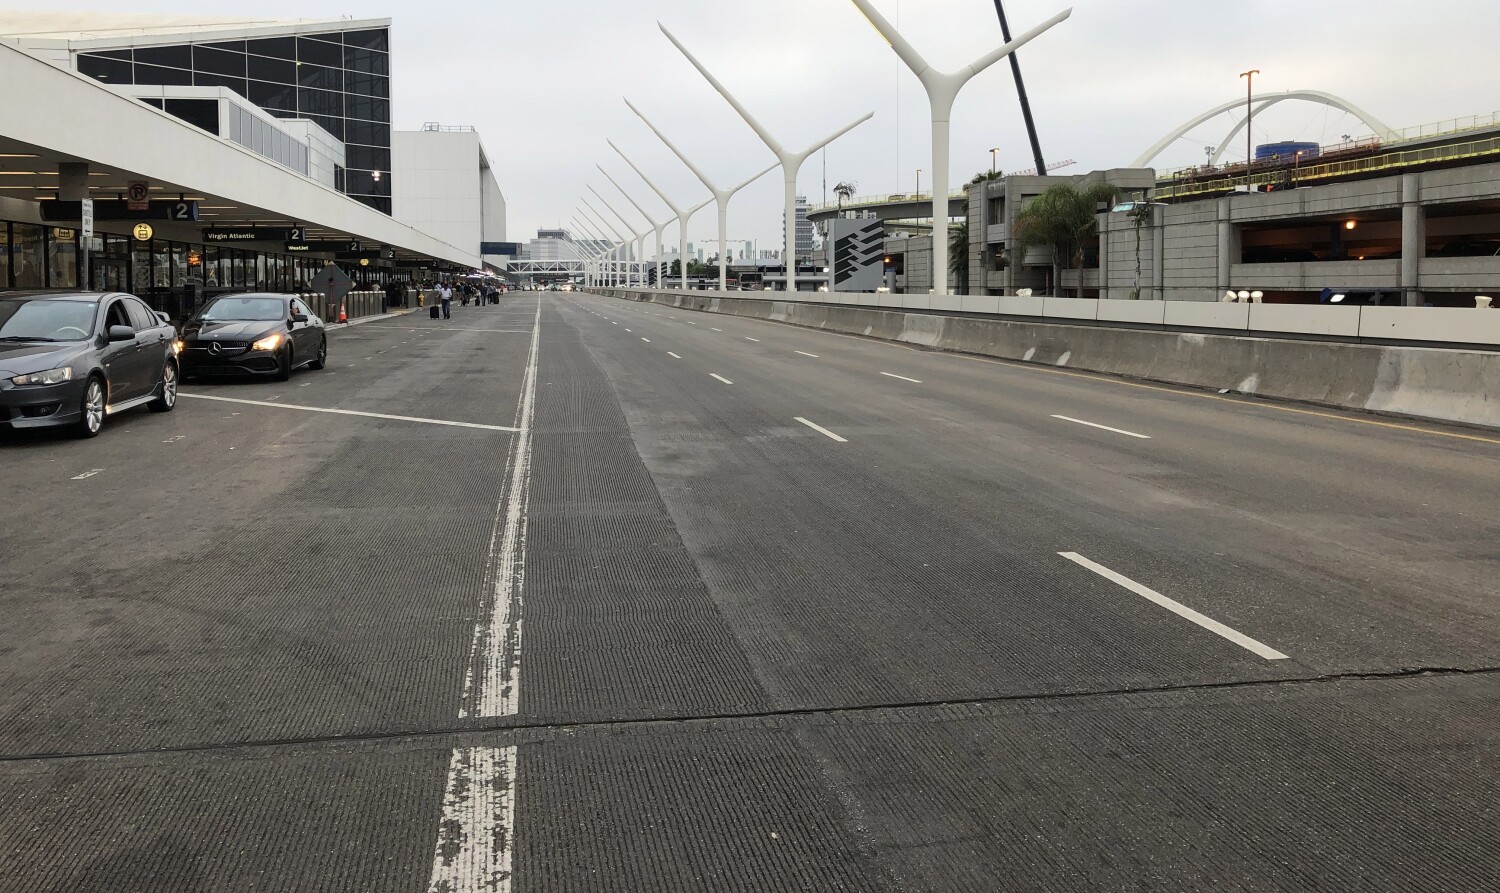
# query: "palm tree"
958, 256
844, 190
1063, 218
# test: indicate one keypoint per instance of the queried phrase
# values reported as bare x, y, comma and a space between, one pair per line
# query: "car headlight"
179, 345
51, 376
270, 342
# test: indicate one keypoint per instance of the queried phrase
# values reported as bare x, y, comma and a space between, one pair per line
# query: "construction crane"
1056, 165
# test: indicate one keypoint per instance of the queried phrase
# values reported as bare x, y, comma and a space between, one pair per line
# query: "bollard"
1483, 302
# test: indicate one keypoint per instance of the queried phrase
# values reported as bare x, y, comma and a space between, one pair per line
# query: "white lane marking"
902, 377
691, 323
175, 439
1178, 608
720, 377
647, 340
673, 355
806, 354
748, 338
613, 323
821, 430
1103, 427
87, 474
492, 687
478, 825
671, 317
368, 415
712, 329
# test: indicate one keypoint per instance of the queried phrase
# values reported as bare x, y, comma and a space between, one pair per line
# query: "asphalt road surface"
580, 594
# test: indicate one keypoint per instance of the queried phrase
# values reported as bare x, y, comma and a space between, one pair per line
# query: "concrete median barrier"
1444, 384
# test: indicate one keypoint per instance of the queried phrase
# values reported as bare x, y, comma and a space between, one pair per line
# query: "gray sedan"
72, 359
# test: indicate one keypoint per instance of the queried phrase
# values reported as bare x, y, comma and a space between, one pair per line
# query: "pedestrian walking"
445, 294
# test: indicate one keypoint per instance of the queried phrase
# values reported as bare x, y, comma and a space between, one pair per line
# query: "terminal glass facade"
339, 79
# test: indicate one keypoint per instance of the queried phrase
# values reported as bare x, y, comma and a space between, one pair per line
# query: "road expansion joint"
545, 730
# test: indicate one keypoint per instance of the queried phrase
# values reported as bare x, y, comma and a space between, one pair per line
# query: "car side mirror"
121, 333
299, 317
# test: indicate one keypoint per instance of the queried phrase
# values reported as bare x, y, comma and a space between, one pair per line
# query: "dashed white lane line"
902, 377
1181, 610
821, 430
748, 338
87, 474
647, 340
673, 355
806, 354
480, 800
1103, 427
629, 330
712, 329
369, 415
613, 323
691, 323
720, 377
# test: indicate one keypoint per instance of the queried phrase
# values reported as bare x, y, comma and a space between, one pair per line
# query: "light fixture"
1244, 295
1350, 224
1336, 299
375, 175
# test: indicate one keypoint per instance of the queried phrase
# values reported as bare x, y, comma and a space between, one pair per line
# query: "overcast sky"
543, 82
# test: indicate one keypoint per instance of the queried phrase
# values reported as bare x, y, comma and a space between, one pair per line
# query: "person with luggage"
445, 295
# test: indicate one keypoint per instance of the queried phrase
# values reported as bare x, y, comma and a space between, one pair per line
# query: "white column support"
594, 258
639, 237
942, 89
600, 258
614, 275
658, 227
791, 162
721, 197
682, 219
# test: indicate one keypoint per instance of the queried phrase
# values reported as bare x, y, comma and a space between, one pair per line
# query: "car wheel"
91, 417
322, 359
166, 401
284, 368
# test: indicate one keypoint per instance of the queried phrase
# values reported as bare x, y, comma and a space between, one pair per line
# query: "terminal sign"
143, 232
256, 234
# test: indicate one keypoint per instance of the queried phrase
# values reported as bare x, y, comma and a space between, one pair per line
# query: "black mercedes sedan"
253, 334
71, 359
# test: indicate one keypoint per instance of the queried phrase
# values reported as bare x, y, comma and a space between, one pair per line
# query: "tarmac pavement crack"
645, 722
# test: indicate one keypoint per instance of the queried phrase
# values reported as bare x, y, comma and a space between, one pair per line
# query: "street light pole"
622, 244
659, 227
791, 162
919, 184
942, 89
632, 247
1249, 77
682, 216
599, 263
993, 164
721, 197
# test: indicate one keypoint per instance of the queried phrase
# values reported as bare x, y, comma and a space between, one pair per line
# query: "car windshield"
44, 320
257, 309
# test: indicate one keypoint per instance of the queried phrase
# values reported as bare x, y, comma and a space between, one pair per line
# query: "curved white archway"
1265, 101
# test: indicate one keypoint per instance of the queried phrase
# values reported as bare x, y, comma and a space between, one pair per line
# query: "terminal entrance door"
109, 269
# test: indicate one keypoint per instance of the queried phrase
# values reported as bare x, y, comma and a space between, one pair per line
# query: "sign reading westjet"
256, 234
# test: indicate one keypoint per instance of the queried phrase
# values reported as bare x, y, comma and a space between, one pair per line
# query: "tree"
958, 256
1140, 215
844, 190
1063, 218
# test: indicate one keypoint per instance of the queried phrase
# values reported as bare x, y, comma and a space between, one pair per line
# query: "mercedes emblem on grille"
214, 347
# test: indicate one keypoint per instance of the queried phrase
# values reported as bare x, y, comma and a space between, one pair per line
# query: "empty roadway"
694, 602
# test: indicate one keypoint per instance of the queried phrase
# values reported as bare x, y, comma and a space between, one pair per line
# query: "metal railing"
1311, 174
1445, 128
865, 201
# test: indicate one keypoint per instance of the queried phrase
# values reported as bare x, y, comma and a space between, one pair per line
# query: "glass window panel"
172, 57
383, 205
62, 256
368, 133
154, 103
319, 52
203, 79
368, 158
218, 62
156, 74
371, 61
112, 70
161, 264
273, 97
201, 113
319, 77
179, 261
275, 47
233, 46
367, 84
319, 102
140, 268
4, 254
211, 278
277, 71
367, 107
29, 255
334, 126
364, 183
374, 39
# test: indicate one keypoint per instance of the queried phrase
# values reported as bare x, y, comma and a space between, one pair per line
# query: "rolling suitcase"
435, 309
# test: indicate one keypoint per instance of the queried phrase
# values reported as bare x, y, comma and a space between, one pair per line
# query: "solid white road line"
1178, 608
476, 836
806, 354
720, 377
748, 338
1102, 427
902, 377
368, 415
673, 355
479, 810
821, 430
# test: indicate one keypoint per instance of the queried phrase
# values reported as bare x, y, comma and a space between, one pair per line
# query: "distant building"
804, 232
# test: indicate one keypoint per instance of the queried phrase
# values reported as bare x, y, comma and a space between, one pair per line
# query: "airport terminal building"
224, 153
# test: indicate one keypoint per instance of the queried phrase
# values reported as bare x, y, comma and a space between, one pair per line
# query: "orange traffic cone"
343, 315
